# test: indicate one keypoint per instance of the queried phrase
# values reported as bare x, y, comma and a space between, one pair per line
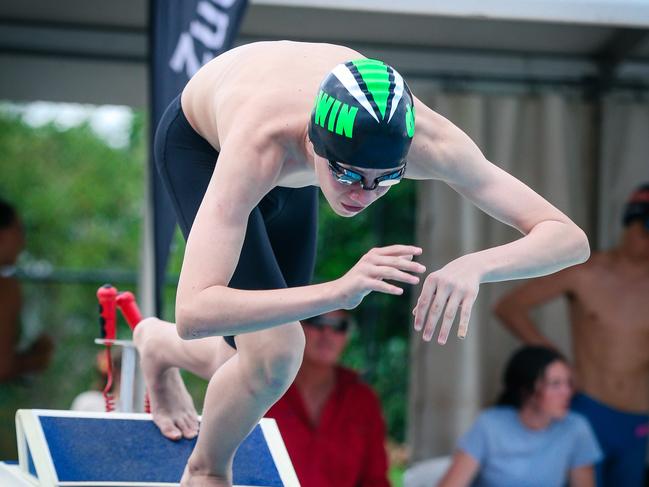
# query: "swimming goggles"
349, 177
339, 325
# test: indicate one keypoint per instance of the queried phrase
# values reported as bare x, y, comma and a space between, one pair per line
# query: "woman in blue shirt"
530, 438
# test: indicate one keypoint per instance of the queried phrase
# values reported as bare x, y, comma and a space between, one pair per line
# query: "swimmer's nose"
362, 197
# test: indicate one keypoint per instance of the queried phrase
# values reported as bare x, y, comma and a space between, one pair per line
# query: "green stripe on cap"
376, 77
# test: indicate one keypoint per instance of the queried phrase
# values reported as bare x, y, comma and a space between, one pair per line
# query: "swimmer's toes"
189, 429
168, 428
193, 422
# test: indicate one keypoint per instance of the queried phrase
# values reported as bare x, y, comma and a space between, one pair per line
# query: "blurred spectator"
529, 438
36, 357
330, 421
609, 313
93, 400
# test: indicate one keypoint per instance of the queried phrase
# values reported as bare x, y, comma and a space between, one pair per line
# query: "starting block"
70, 448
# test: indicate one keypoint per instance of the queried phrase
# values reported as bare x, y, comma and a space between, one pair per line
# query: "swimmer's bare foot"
171, 405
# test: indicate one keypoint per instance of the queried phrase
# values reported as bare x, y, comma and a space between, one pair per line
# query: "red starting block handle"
106, 295
127, 305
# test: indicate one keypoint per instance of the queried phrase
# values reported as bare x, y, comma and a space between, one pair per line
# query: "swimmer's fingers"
374, 268
401, 263
423, 303
455, 285
465, 315
437, 305
387, 272
398, 250
386, 287
449, 303
448, 317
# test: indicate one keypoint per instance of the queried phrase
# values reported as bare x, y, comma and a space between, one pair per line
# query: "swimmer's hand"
454, 286
370, 272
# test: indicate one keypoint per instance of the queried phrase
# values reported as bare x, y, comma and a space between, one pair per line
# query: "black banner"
184, 35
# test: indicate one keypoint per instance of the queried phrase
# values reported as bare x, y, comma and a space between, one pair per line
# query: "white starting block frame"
49, 457
131, 390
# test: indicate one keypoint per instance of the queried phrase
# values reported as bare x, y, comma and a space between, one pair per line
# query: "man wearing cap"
330, 420
609, 310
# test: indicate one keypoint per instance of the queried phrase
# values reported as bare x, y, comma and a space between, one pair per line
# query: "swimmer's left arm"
551, 240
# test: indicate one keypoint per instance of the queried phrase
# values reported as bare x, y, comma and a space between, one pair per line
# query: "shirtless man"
251, 248
609, 312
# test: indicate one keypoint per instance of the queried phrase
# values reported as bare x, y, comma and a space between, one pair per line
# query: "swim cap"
363, 116
637, 208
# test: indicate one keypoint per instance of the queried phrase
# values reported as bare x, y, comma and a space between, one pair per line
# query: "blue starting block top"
65, 448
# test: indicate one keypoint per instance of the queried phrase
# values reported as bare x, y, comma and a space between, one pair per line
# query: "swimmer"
243, 152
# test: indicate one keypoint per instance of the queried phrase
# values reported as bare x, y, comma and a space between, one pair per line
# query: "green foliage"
81, 200
396, 476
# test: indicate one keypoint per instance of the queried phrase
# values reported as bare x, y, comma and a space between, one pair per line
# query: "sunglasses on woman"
349, 176
339, 325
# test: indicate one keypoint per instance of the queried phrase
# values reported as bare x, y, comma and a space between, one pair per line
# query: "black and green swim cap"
363, 116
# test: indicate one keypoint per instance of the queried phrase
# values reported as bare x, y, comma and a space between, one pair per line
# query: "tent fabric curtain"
545, 140
625, 161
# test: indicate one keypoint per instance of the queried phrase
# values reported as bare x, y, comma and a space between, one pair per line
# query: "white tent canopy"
96, 52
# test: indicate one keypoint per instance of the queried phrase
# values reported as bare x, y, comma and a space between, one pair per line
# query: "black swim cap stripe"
368, 94
391, 93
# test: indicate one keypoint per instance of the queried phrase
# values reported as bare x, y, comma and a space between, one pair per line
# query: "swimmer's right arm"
461, 472
206, 306
513, 309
